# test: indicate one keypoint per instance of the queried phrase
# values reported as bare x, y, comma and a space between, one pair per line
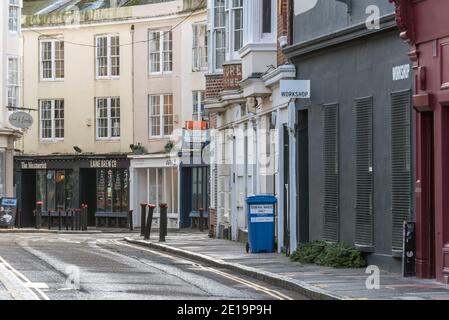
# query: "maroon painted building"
425, 25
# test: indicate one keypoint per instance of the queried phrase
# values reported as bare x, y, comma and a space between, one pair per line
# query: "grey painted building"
354, 135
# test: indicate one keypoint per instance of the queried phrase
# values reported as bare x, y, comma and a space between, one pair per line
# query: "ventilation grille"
331, 173
401, 171
363, 115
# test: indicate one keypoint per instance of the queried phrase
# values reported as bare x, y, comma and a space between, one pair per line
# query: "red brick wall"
283, 22
214, 85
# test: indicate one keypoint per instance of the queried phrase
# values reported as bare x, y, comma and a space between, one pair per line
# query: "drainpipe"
292, 183
132, 80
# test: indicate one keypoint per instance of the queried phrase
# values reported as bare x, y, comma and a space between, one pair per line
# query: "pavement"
102, 266
312, 281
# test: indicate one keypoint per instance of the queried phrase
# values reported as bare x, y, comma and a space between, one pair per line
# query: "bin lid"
263, 198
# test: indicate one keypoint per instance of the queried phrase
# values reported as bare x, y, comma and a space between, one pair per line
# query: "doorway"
28, 199
303, 177
88, 193
286, 179
195, 192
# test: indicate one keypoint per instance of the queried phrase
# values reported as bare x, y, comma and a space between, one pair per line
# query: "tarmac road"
103, 267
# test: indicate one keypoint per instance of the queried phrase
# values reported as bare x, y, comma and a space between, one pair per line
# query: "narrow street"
38, 266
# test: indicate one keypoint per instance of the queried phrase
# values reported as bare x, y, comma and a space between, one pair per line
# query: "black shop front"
66, 182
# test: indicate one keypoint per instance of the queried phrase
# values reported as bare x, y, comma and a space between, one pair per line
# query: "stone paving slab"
319, 282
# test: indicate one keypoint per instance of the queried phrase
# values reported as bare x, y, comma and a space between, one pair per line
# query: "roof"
38, 7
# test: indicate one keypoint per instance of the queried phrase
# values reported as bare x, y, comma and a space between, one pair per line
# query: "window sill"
50, 141
107, 139
159, 138
107, 78
160, 74
52, 80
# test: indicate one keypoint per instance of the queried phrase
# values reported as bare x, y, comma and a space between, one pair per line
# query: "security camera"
283, 41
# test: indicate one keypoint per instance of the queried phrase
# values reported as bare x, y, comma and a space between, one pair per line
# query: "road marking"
273, 293
34, 289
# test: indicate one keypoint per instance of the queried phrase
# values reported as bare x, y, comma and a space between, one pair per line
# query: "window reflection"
54, 189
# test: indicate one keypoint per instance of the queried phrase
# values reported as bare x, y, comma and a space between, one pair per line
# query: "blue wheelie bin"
261, 223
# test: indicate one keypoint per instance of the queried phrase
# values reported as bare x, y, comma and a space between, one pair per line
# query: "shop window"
2, 173
55, 189
162, 188
112, 190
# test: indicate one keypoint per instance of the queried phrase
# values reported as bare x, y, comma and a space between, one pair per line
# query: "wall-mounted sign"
33, 165
8, 209
232, 75
21, 120
103, 163
401, 72
298, 89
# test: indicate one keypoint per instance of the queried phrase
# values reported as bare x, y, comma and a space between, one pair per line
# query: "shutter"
401, 174
363, 115
331, 173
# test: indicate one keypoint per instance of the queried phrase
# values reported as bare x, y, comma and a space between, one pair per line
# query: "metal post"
77, 219
85, 217
59, 220
39, 214
130, 220
66, 219
49, 220
163, 222
72, 218
149, 221
201, 219
143, 213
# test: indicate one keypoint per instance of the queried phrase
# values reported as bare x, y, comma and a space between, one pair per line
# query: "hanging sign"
298, 89
21, 120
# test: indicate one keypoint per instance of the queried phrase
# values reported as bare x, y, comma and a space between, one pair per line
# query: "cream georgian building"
112, 82
10, 88
250, 145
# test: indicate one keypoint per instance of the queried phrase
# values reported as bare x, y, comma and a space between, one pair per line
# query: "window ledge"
258, 47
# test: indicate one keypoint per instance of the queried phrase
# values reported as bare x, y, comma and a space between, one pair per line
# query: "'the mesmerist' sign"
298, 89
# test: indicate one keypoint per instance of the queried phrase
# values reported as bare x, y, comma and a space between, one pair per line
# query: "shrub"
336, 255
308, 252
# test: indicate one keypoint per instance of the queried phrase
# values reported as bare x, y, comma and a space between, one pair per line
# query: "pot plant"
169, 146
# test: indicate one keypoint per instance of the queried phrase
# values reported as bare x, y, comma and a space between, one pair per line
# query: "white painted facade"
247, 145
10, 87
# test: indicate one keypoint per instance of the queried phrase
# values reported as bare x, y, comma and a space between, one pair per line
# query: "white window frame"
161, 34
52, 59
199, 94
271, 36
109, 119
199, 47
16, 7
108, 57
161, 134
53, 137
232, 53
213, 38
15, 86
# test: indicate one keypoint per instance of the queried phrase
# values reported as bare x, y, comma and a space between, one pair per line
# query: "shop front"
63, 183
154, 179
